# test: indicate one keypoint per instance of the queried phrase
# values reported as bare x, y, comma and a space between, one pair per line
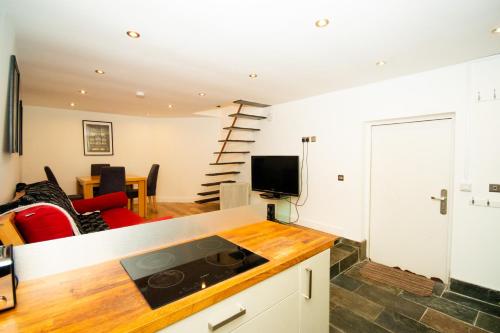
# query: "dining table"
86, 184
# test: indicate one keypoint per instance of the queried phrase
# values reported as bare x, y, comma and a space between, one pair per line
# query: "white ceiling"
211, 46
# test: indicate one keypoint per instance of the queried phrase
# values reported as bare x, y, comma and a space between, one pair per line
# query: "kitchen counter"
103, 298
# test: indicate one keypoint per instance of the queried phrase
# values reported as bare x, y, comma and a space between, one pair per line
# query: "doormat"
410, 282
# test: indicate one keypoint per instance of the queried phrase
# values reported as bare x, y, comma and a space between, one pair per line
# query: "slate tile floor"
360, 305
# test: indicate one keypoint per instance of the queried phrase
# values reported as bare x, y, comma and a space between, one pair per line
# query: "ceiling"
187, 47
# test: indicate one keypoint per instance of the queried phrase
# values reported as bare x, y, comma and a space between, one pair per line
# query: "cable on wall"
305, 157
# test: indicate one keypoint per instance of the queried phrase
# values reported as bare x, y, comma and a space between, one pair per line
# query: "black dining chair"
151, 188
112, 180
52, 178
95, 170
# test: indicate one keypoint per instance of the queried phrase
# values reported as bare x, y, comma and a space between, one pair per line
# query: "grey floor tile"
350, 242
349, 261
347, 248
350, 322
346, 282
391, 301
473, 303
337, 254
334, 329
354, 272
354, 302
397, 323
443, 305
438, 289
334, 270
488, 322
446, 324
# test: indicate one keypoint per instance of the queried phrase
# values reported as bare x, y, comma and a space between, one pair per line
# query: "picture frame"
20, 128
97, 138
13, 107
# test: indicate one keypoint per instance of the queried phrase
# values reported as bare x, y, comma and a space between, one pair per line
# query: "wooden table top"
103, 298
97, 179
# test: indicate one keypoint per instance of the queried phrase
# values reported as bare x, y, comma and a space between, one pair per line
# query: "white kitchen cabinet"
282, 303
315, 293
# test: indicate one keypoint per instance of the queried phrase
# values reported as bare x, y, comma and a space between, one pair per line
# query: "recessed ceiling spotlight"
253, 75
170, 106
322, 23
380, 63
99, 71
82, 91
201, 94
496, 30
72, 104
133, 34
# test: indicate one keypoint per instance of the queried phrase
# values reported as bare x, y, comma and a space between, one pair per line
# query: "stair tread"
232, 152
249, 103
246, 115
207, 200
222, 173
236, 128
209, 193
218, 183
231, 140
226, 163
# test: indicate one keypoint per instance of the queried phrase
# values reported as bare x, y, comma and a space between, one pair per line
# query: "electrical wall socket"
495, 188
308, 139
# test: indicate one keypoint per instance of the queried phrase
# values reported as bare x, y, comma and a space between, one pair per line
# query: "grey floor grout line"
475, 320
423, 314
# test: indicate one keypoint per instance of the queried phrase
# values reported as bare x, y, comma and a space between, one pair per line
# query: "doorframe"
367, 170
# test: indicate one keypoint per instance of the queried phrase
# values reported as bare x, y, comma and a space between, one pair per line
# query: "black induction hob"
166, 275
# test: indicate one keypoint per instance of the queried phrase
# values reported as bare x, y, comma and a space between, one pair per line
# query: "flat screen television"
278, 175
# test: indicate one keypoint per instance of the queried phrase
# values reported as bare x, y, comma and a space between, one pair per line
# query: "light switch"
466, 187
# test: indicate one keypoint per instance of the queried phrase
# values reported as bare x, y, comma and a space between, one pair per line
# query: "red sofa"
46, 222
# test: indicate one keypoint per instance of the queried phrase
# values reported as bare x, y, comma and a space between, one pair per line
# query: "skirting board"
46, 258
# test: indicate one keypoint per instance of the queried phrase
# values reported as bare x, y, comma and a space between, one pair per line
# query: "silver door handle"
310, 283
443, 207
241, 312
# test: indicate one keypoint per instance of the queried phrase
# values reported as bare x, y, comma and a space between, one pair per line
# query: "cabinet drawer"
281, 318
253, 300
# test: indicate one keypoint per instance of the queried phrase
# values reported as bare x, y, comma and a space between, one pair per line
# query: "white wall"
9, 163
339, 119
181, 146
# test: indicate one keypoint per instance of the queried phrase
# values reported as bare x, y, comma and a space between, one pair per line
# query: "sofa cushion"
42, 223
103, 202
120, 217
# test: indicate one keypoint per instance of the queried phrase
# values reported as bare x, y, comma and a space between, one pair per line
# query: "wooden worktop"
103, 298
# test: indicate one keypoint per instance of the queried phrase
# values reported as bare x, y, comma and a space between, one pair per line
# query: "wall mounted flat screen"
276, 174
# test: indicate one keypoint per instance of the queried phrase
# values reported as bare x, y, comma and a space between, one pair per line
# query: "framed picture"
97, 138
13, 107
20, 129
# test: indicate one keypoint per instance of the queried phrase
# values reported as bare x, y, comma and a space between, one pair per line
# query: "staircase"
212, 194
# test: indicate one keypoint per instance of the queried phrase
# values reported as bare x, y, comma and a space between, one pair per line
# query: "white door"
410, 163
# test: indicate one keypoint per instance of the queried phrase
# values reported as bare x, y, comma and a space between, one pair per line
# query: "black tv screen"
276, 174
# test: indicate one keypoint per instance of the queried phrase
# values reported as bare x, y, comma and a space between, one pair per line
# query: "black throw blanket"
47, 192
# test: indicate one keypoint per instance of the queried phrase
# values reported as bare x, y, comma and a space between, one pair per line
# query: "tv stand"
273, 196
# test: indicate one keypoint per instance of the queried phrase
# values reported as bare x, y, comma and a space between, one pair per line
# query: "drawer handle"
310, 284
241, 312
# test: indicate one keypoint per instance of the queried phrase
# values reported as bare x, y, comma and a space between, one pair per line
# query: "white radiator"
234, 195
